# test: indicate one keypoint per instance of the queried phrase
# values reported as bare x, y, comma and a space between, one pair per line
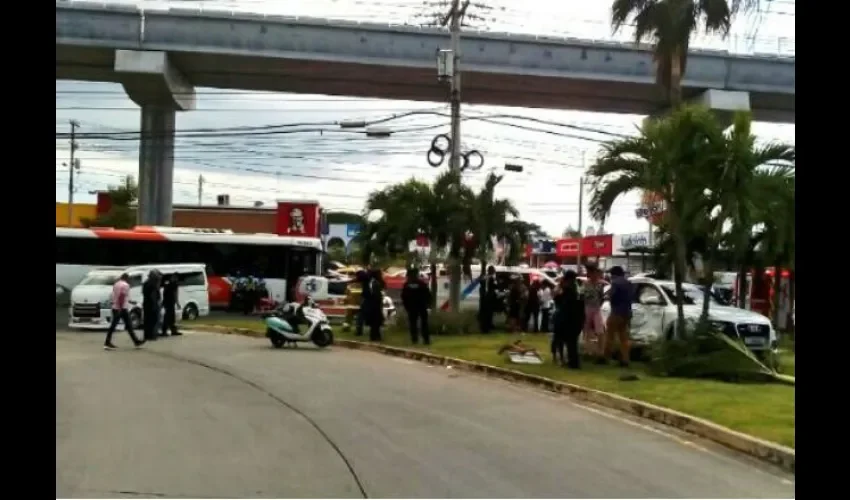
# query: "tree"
569, 232
489, 217
121, 214
741, 182
665, 158
414, 208
669, 25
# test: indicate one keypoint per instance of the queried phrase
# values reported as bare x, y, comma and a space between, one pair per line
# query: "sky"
340, 169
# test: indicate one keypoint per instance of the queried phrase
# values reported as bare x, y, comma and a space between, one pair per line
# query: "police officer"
170, 302
150, 304
362, 278
416, 297
249, 296
487, 297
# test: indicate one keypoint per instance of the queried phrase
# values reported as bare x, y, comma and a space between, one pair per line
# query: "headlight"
105, 304
718, 325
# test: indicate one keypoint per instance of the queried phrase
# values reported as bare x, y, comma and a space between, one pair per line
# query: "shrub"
443, 322
706, 353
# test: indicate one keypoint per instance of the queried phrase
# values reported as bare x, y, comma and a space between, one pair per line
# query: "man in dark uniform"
416, 297
487, 297
170, 304
150, 304
373, 304
362, 277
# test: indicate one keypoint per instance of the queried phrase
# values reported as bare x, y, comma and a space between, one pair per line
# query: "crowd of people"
565, 310
246, 292
160, 302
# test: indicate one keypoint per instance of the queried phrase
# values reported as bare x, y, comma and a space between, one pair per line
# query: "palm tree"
738, 178
778, 228
414, 208
489, 216
665, 158
669, 25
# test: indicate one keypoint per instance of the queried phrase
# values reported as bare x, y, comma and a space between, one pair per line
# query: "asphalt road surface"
216, 416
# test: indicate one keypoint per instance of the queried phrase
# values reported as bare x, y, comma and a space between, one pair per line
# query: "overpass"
160, 55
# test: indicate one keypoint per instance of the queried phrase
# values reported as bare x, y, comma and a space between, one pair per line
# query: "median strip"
773, 453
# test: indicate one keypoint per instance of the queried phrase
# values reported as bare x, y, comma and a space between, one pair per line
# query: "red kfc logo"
298, 219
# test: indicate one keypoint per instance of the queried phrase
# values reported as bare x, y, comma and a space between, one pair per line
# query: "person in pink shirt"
121, 312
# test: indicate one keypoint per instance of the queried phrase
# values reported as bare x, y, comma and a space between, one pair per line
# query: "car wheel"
190, 312
136, 319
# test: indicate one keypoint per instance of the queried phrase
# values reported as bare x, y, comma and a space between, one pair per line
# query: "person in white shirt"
545, 296
120, 312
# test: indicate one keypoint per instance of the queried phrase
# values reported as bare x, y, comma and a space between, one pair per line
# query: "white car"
654, 315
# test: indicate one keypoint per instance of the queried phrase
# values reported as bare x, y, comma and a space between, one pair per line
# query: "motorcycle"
293, 322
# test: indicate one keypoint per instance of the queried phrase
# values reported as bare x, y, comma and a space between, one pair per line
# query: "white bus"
279, 260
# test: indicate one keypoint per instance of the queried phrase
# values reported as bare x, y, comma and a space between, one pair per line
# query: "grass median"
762, 410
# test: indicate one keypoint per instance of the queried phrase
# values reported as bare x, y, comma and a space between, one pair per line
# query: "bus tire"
136, 319
190, 312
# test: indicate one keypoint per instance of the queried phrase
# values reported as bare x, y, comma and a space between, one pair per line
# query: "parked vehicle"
654, 315
91, 307
298, 322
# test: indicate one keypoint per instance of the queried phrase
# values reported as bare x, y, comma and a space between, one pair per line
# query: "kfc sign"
298, 218
600, 245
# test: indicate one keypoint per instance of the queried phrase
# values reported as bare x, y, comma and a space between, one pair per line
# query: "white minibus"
91, 307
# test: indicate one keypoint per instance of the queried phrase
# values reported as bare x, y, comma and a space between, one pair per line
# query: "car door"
648, 311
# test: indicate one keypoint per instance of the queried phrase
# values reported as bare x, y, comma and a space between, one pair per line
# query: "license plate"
754, 341
754, 328
84, 320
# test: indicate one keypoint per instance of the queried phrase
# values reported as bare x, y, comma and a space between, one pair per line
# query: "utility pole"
580, 217
200, 190
73, 164
453, 18
580, 212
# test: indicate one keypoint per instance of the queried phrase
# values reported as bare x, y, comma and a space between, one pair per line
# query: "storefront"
633, 252
591, 249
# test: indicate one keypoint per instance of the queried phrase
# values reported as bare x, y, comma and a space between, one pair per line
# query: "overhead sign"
635, 240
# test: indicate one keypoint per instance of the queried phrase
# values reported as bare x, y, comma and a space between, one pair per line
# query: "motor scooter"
293, 322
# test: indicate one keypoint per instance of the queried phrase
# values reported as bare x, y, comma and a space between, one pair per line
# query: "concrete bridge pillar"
724, 104
160, 90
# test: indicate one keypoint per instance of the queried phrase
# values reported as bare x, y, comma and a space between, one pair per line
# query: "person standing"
514, 304
362, 278
594, 327
545, 298
569, 319
618, 326
120, 312
170, 303
416, 297
487, 298
374, 305
532, 307
150, 304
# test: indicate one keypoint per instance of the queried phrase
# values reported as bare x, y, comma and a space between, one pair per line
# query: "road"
209, 415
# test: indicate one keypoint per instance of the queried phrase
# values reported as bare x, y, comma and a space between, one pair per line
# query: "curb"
773, 453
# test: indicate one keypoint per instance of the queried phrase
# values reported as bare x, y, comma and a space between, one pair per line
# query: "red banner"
298, 218
601, 245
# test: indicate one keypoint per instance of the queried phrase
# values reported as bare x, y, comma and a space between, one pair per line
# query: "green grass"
761, 410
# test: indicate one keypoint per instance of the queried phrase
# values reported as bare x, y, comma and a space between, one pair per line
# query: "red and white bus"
279, 260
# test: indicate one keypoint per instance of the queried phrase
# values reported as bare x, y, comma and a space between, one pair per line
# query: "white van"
90, 300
